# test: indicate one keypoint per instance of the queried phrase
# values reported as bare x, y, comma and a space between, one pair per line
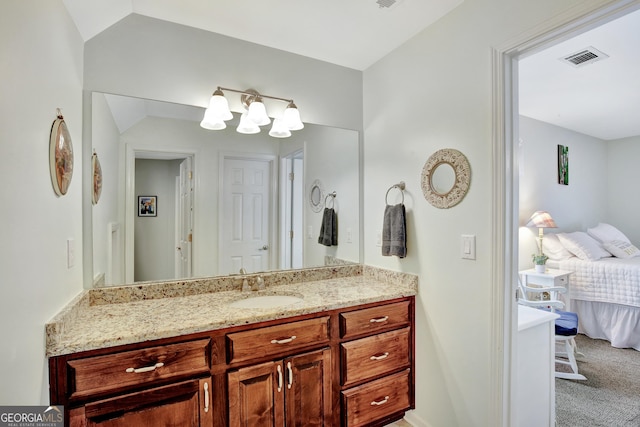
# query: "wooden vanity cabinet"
295, 391
186, 404
376, 364
345, 367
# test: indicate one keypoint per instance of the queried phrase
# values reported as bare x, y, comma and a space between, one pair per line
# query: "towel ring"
400, 186
333, 197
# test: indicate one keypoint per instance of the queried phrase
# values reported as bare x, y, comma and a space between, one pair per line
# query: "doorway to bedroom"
564, 105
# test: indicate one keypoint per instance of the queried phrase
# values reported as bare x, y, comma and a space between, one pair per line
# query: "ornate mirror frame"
462, 170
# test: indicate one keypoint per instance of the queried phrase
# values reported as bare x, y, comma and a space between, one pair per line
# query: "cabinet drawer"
101, 374
275, 340
367, 357
375, 400
372, 320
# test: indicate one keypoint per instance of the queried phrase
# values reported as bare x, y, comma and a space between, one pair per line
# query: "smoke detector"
584, 57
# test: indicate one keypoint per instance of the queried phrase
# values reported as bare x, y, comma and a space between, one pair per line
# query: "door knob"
264, 248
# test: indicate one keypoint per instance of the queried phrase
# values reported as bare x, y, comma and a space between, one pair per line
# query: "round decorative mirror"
316, 196
445, 178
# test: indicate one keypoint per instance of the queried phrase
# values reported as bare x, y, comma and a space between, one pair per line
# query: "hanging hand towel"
394, 233
329, 228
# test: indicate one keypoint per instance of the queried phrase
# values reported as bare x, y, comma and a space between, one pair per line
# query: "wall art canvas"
147, 205
563, 165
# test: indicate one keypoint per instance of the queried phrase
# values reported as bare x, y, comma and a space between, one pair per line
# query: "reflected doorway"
292, 208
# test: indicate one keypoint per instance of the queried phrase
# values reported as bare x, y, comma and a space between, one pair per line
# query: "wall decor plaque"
96, 170
446, 177
60, 155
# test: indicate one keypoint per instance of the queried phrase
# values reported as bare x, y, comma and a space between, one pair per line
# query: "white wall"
435, 92
148, 58
623, 206
105, 139
41, 53
331, 156
574, 207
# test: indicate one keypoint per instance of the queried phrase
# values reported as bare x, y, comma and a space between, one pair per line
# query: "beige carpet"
611, 394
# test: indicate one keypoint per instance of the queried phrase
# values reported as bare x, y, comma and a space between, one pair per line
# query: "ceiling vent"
385, 3
584, 57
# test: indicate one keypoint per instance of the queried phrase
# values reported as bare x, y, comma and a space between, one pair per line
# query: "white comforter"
611, 280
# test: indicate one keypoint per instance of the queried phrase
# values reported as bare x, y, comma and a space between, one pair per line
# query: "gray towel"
329, 228
394, 233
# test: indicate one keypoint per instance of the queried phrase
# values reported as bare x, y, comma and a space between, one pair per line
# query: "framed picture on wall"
147, 205
563, 164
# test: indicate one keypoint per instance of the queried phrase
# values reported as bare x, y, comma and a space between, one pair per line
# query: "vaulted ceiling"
601, 99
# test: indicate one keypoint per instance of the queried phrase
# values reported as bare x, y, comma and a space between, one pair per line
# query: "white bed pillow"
607, 233
554, 249
620, 249
583, 246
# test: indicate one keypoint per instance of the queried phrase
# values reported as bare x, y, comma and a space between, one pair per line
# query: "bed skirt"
619, 324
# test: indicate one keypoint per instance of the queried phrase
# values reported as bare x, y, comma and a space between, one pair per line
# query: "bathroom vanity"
342, 354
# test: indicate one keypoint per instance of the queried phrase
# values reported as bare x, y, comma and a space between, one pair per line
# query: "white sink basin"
265, 301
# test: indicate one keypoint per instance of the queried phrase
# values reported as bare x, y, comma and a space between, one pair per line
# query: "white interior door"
184, 220
246, 215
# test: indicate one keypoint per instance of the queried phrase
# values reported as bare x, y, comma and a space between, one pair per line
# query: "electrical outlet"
379, 238
349, 235
310, 232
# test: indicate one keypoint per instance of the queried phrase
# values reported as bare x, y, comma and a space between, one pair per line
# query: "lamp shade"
541, 219
258, 113
247, 126
219, 107
279, 129
291, 117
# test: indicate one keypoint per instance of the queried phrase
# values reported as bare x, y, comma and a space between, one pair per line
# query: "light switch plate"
468, 246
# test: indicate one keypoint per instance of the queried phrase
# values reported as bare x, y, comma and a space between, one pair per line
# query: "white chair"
546, 298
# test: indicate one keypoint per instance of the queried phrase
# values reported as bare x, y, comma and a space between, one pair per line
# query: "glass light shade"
247, 126
212, 125
279, 129
258, 113
219, 107
291, 117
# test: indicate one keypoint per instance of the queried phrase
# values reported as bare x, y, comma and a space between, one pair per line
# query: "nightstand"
551, 277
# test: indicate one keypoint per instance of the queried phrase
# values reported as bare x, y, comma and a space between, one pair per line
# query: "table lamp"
541, 220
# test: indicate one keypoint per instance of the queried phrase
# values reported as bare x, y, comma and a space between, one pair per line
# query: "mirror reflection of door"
292, 191
156, 239
245, 223
184, 220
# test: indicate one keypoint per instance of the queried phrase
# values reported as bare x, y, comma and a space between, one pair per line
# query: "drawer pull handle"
279, 379
380, 402
381, 357
290, 379
206, 397
379, 319
284, 340
145, 369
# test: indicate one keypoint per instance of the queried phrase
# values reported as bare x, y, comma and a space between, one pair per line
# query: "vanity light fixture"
218, 112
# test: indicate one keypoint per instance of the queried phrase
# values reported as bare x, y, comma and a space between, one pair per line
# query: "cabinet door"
308, 389
256, 396
185, 404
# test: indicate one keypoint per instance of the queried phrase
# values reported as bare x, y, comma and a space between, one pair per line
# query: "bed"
605, 285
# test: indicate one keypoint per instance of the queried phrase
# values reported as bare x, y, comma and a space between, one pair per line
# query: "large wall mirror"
223, 200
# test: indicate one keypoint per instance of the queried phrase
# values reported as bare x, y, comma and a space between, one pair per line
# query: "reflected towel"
329, 228
394, 233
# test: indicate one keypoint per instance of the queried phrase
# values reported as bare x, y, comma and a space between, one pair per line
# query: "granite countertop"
106, 317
